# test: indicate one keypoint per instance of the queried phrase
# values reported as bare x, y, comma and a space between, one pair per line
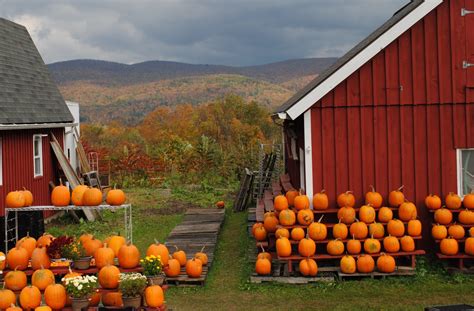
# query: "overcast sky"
229, 32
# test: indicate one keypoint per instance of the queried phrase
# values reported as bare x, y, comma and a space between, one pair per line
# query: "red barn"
31, 108
398, 109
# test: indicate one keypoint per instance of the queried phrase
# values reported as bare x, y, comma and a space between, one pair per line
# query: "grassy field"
227, 287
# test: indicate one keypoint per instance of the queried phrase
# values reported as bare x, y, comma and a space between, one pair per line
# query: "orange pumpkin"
45, 240
385, 214
391, 244
71, 274
346, 199
264, 254
260, 233
7, 298
104, 256
154, 296
449, 246
301, 202
180, 255
469, 246
340, 231
15, 280
365, 264
282, 232
3, 261
60, 196
92, 197
308, 267
367, 214
453, 201
348, 264
219, 204
116, 197
263, 266
78, 194
55, 296
95, 299
471, 232
466, 217
396, 228
42, 278
353, 246
112, 299
283, 247
407, 211
306, 247
109, 277
116, 242
456, 231
40, 259
287, 217
17, 258
194, 268
280, 203
305, 217
443, 216
386, 264
320, 201
407, 243
373, 198
439, 232
359, 230
271, 222
92, 246
290, 196
30, 297
28, 243
433, 202
396, 197
15, 199
376, 230
28, 197
335, 247
414, 228
85, 237
173, 268
14, 308
43, 308
346, 214
128, 256
202, 256
372, 246
297, 234
468, 201
317, 230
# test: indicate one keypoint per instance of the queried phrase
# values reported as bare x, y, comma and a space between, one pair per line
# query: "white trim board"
308, 157
360, 59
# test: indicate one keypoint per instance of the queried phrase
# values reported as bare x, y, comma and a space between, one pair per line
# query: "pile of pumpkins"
359, 234
445, 230
20, 198
31, 252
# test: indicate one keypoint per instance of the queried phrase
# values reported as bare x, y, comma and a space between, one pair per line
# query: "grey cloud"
227, 32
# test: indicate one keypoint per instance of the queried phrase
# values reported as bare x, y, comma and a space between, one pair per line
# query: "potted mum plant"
76, 252
153, 269
79, 289
132, 286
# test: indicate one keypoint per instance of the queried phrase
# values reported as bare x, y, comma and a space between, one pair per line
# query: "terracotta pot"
134, 302
78, 304
82, 263
155, 279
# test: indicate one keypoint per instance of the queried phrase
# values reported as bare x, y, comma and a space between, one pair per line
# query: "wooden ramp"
200, 227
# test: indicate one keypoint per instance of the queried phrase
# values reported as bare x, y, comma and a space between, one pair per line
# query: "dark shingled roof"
27, 92
397, 17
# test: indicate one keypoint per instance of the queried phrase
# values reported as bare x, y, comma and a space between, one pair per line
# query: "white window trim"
1, 162
459, 167
40, 154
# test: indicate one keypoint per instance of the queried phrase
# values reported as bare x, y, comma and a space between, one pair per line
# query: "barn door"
468, 13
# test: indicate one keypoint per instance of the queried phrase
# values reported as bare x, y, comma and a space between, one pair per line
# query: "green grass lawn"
227, 286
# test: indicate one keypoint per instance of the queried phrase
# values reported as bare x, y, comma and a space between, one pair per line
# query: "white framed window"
465, 158
38, 155
1, 162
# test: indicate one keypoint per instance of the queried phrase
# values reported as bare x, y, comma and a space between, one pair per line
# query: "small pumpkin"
264, 254
391, 244
219, 204
433, 202
346, 199
112, 299
17, 258
365, 264
396, 197
407, 243
320, 200
297, 234
407, 211
115, 243
30, 297
104, 256
340, 231
453, 201
282, 232
270, 223
372, 246
414, 227
154, 296
43, 308
263, 266
396, 228
283, 247
15, 280
287, 217
386, 263
14, 308
373, 198
60, 196
308, 267
55, 296
317, 230
346, 214
40, 259
28, 243
128, 256
359, 230
109, 277
91, 246
15, 199
45, 240
173, 268
291, 195
335, 247
28, 197
280, 202
301, 202
305, 217
348, 264
469, 246
377, 230
443, 216
194, 268
468, 201
92, 197
7, 298
439, 232
456, 231
115, 197
202, 256
306, 247
385, 214
466, 217
259, 233
78, 194
449, 246
180, 256
353, 246
367, 214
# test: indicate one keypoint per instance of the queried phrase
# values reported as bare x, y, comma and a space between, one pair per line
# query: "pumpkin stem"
372, 187
157, 242
400, 188
261, 246
348, 191
353, 236
60, 181
323, 191
177, 249
321, 218
204, 246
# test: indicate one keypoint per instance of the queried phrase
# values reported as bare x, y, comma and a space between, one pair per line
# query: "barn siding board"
418, 61
458, 50
340, 148
469, 25
394, 147
353, 90
407, 162
444, 53
365, 83
406, 69
392, 74
368, 149
379, 86
317, 150
382, 149
431, 58
330, 178
459, 118
448, 153
355, 165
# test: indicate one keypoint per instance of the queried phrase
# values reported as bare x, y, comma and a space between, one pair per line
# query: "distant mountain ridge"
111, 73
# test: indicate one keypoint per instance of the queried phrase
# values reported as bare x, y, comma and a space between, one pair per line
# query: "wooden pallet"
257, 279
400, 271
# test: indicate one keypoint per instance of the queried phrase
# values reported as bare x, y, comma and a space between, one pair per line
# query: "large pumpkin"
116, 242
283, 247
449, 246
308, 267
305, 217
194, 268
15, 199
159, 249
287, 217
377, 230
372, 246
469, 246
373, 198
396, 197
42, 278
335, 247
7, 298
353, 246
78, 194
453, 201
439, 232
28, 243
109, 277
407, 243
317, 231
91, 246
391, 244
367, 214
297, 234
270, 223
40, 259
407, 211
456, 231
55, 296
263, 266
128, 256
468, 201
92, 197
15, 280
348, 264
173, 268
340, 230
301, 202
104, 256
396, 228
466, 217
280, 203
30, 297
443, 216
385, 214
306, 247
116, 197
28, 197
414, 227
60, 196
320, 200
359, 230
346, 214
154, 296
291, 195
433, 202
44, 240
365, 264
17, 258
386, 264
346, 199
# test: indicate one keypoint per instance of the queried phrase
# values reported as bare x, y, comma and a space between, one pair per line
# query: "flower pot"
82, 263
134, 302
78, 304
155, 279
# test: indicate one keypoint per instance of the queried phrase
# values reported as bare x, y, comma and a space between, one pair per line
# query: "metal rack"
11, 217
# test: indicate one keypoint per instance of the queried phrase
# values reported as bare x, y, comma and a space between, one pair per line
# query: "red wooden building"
398, 109
31, 108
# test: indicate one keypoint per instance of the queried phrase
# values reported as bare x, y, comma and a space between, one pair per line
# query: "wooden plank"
431, 62
368, 148
353, 90
394, 147
418, 61
405, 68
407, 152
290, 280
316, 153
328, 150
381, 160
379, 79
392, 74
341, 150
444, 54
354, 155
